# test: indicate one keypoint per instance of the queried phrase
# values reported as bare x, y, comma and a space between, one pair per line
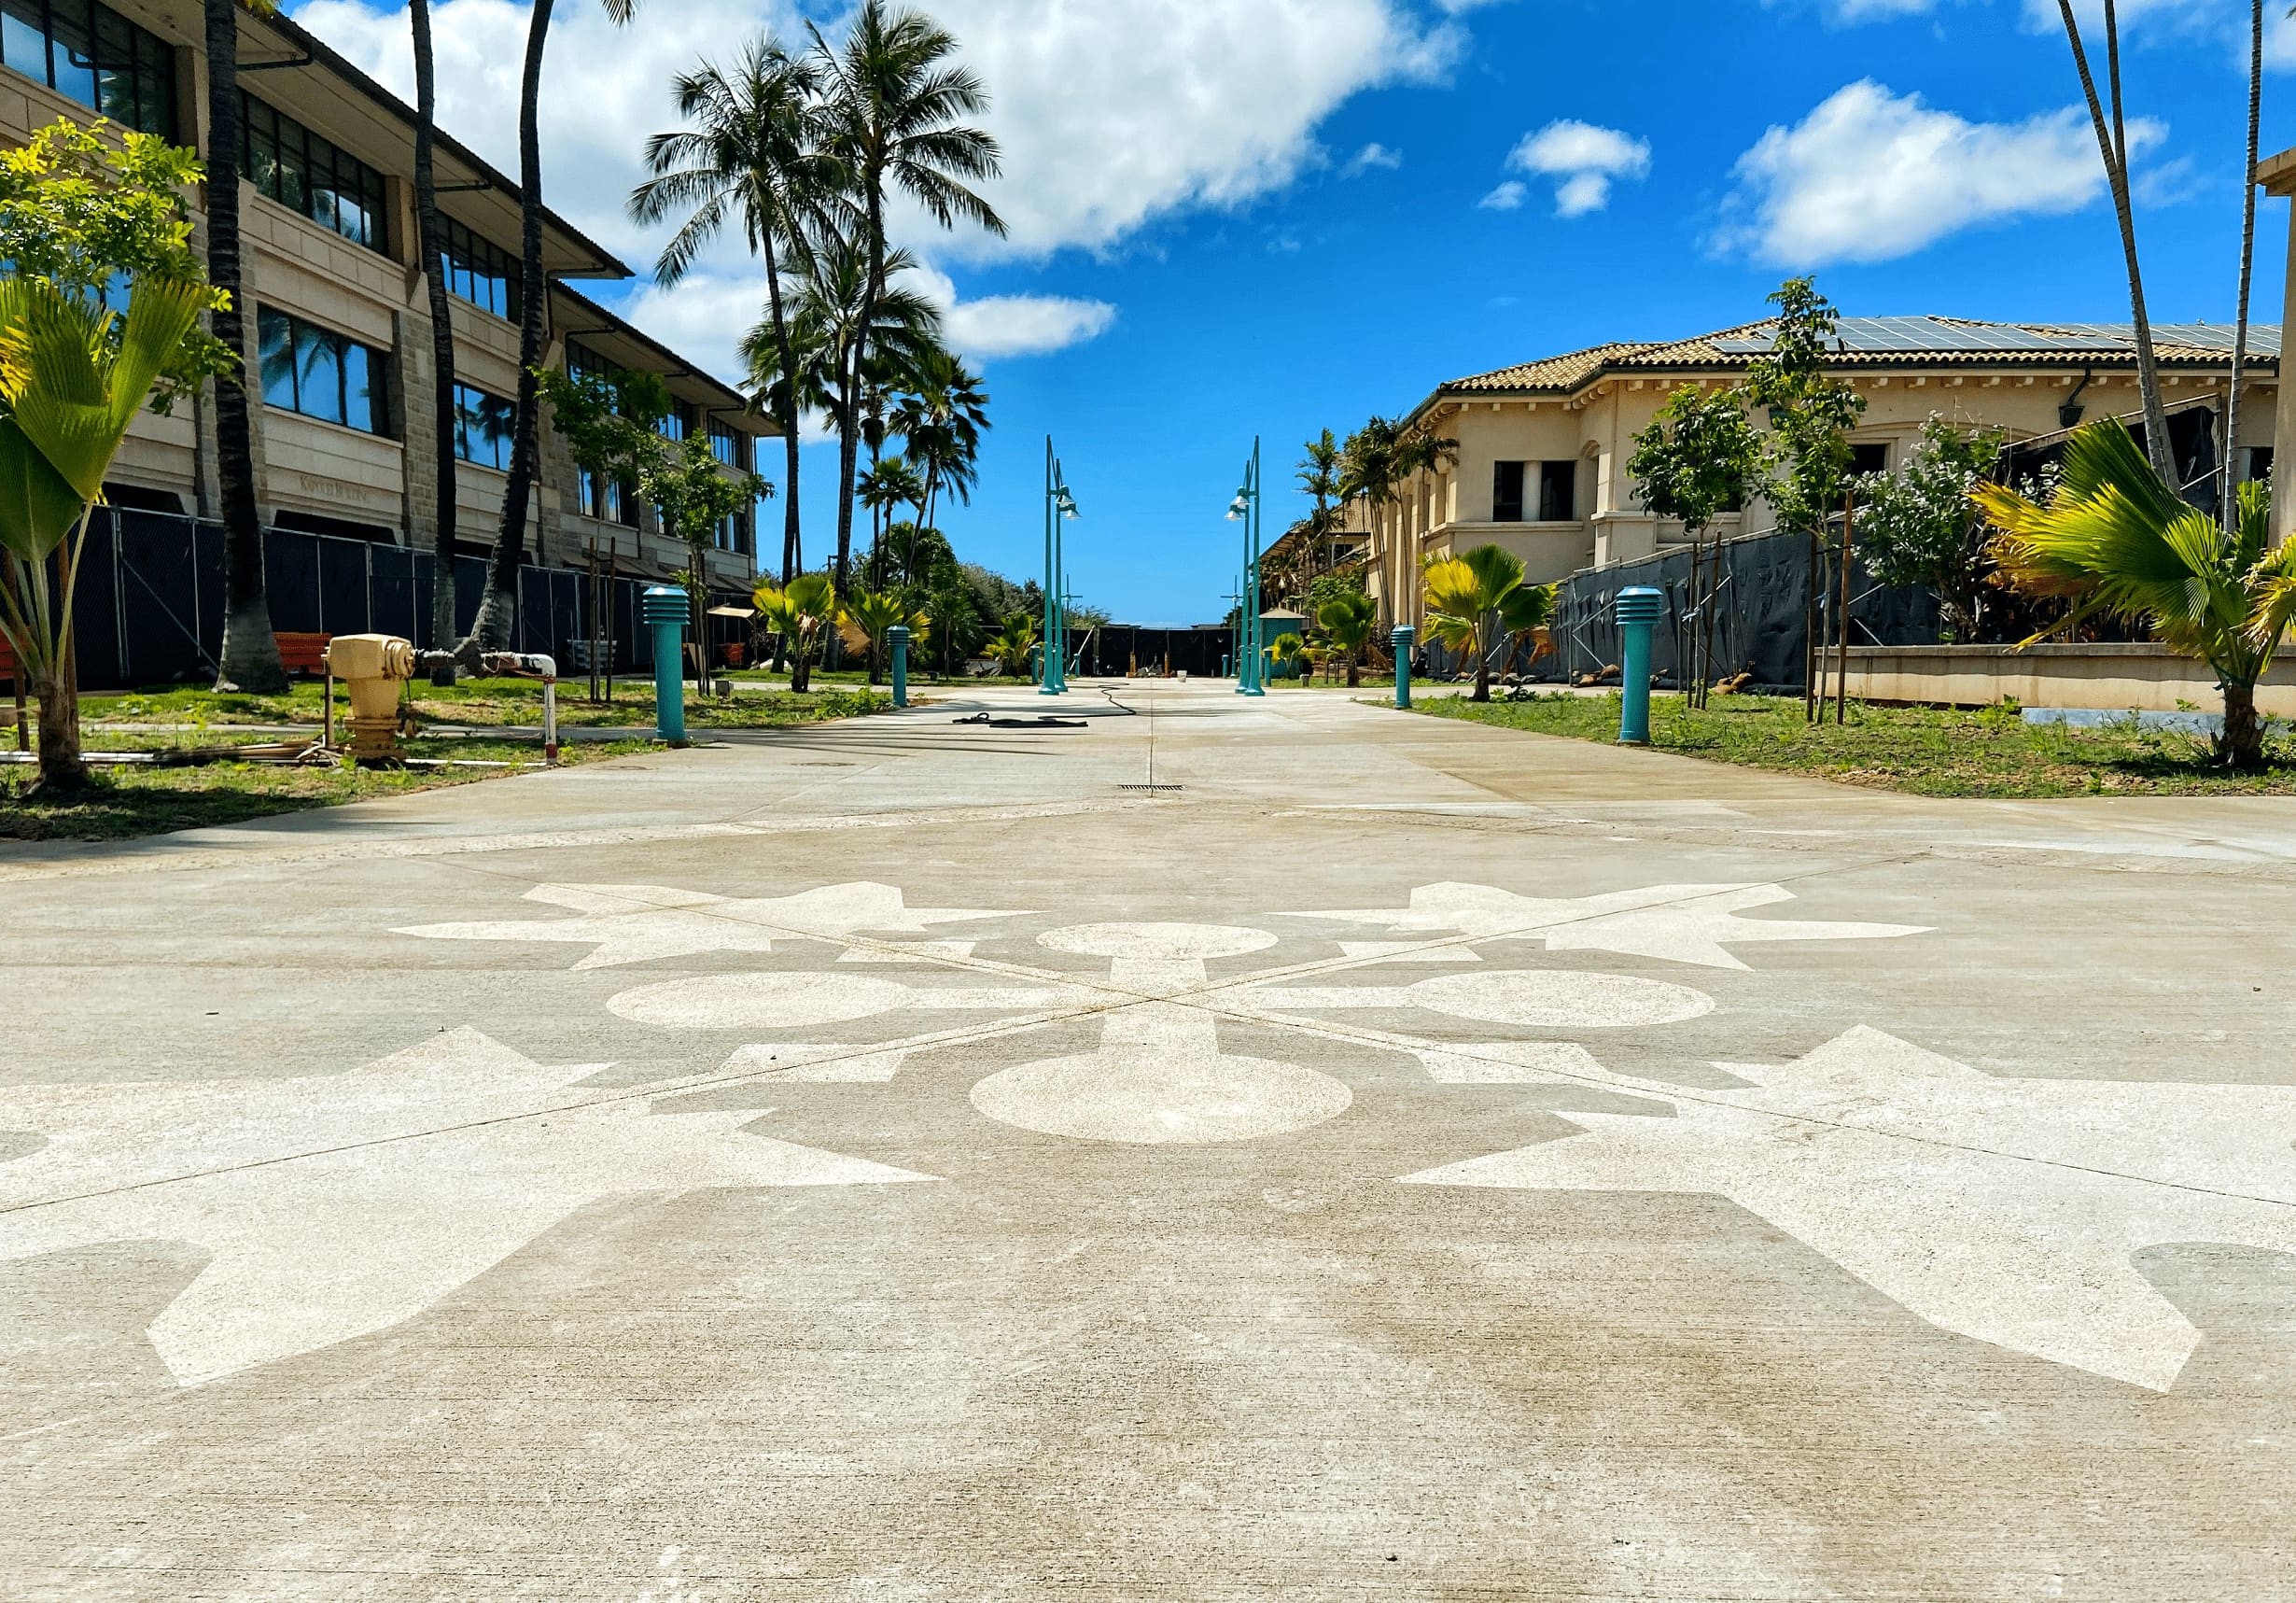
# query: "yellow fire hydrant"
372, 668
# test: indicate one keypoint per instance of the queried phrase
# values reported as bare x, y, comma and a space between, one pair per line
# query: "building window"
680, 421
1870, 458
1558, 492
733, 535
729, 446
485, 427
306, 173
478, 271
2259, 464
1507, 492
320, 373
92, 54
608, 500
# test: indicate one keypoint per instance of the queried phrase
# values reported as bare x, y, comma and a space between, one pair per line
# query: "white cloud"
1875, 10
1507, 197
1870, 175
1113, 114
1583, 159
1373, 155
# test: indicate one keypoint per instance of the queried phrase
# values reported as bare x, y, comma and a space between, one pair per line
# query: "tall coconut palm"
896, 108
845, 339
1321, 477
888, 484
2112, 140
754, 154
941, 421
431, 238
250, 656
2230, 502
493, 628
2113, 539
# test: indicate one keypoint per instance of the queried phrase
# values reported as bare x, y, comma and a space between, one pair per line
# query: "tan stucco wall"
2110, 678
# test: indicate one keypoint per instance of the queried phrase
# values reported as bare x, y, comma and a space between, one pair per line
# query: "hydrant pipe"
665, 607
1639, 609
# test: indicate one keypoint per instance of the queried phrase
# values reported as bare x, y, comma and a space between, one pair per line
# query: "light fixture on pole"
1246, 509
1052, 654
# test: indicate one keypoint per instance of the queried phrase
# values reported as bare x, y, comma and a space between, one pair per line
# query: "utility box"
372, 668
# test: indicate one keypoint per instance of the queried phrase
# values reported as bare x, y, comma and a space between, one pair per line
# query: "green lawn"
1926, 750
135, 800
490, 703
125, 802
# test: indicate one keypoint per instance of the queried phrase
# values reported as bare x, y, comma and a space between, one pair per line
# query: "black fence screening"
1761, 618
150, 604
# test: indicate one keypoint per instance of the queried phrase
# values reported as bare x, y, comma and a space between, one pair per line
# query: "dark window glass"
23, 38
486, 429
155, 86
114, 57
1507, 492
1558, 492
288, 164
479, 271
318, 373
71, 50
725, 444
1870, 458
275, 334
360, 400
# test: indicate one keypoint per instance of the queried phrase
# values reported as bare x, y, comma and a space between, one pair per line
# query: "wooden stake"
1842, 695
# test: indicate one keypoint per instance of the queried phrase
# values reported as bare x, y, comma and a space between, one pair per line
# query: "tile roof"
1888, 342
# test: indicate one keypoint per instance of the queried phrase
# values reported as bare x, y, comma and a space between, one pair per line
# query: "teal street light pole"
1246, 508
1053, 652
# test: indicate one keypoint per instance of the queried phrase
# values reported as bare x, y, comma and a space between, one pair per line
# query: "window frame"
119, 54
1553, 473
1500, 497
316, 166
302, 333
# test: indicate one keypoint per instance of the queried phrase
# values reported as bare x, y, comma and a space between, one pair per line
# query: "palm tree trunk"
1355, 657
250, 656
2242, 744
1482, 673
2231, 507
2113, 145
792, 543
442, 342
492, 631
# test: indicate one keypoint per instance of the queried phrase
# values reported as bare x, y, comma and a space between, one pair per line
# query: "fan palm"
1285, 649
799, 611
895, 109
872, 613
1467, 595
69, 389
752, 154
1011, 649
1349, 620
2113, 540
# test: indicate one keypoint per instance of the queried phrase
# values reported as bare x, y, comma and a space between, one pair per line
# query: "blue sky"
1271, 217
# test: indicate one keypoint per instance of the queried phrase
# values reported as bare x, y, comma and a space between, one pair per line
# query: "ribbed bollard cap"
898, 632
1402, 632
664, 604
1641, 604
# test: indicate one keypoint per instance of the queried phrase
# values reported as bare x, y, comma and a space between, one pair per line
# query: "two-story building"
339, 312
1543, 447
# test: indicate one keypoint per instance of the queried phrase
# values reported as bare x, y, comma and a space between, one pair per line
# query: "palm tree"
1349, 620
799, 611
251, 655
1321, 477
2229, 502
873, 613
1010, 648
491, 629
843, 338
2112, 140
941, 422
754, 152
888, 484
69, 392
895, 110
2115, 540
1467, 594
432, 237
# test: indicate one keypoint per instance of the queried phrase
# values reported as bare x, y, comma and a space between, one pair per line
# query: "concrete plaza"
911, 1159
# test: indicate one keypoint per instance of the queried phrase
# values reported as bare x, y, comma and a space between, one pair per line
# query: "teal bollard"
1639, 609
667, 607
897, 635
1400, 639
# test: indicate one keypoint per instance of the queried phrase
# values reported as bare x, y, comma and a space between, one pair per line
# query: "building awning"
732, 611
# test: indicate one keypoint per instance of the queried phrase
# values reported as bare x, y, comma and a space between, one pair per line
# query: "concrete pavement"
897, 1160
